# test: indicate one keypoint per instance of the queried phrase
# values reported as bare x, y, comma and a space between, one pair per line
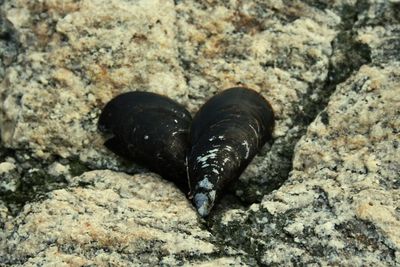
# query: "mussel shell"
226, 134
151, 130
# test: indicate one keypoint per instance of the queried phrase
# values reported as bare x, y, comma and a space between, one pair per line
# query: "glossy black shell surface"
149, 129
226, 134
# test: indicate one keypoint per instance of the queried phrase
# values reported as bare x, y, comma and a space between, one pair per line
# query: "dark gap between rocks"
33, 181
30, 178
348, 55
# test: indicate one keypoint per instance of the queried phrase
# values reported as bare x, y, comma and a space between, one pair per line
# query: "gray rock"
4, 215
77, 56
23, 179
107, 217
60, 62
9, 178
76, 62
340, 205
278, 49
8, 44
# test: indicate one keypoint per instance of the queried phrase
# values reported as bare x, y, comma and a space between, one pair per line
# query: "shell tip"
203, 204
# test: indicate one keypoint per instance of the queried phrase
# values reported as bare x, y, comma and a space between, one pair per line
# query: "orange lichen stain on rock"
71, 83
42, 32
55, 6
246, 23
118, 235
139, 38
382, 216
368, 210
294, 9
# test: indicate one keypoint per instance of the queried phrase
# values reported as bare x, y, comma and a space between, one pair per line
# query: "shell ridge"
242, 117
150, 129
202, 156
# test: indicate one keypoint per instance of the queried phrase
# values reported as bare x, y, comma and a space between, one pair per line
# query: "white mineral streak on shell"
151, 130
246, 145
202, 204
226, 134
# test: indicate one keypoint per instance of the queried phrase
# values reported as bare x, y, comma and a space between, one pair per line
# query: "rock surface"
107, 217
61, 61
77, 56
340, 205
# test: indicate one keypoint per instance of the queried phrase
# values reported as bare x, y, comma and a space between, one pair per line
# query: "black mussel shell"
226, 134
151, 130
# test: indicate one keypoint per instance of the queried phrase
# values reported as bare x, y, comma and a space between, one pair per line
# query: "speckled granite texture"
340, 205
112, 217
325, 191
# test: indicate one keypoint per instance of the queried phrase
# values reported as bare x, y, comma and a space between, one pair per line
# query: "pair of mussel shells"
200, 155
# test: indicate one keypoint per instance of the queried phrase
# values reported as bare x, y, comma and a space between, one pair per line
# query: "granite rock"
280, 49
8, 177
9, 45
23, 179
340, 205
4, 216
61, 61
107, 217
75, 56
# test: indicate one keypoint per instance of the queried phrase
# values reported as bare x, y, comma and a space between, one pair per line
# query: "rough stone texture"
8, 44
77, 55
23, 179
281, 50
340, 206
61, 61
3, 217
107, 217
9, 181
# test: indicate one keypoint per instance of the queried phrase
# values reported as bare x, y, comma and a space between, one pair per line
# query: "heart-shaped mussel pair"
201, 156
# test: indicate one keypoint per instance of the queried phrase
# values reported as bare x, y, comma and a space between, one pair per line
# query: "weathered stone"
76, 56
111, 217
340, 205
23, 179
61, 61
8, 44
281, 50
3, 217
9, 178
